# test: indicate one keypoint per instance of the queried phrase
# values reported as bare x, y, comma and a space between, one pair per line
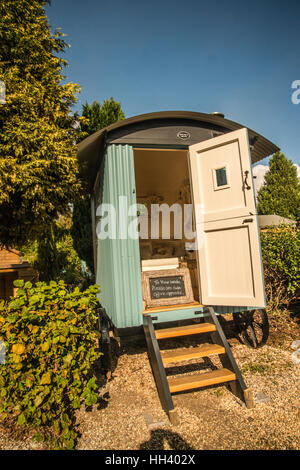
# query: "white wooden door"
229, 254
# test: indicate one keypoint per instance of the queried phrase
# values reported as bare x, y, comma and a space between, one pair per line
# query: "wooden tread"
184, 330
172, 307
190, 382
169, 357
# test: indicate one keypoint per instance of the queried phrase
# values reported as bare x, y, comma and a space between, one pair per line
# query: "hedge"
281, 259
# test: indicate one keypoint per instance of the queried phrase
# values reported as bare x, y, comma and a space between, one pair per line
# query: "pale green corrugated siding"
118, 261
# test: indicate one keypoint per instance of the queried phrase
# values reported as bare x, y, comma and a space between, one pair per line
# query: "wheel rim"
253, 327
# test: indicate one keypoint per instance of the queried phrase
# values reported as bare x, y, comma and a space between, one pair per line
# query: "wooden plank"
179, 289
184, 330
160, 264
172, 307
170, 357
248, 396
190, 382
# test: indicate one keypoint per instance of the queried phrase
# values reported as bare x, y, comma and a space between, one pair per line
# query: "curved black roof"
90, 150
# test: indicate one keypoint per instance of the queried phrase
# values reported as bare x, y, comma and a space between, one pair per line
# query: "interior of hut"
162, 177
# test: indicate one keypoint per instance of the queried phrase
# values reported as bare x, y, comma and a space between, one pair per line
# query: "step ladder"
166, 386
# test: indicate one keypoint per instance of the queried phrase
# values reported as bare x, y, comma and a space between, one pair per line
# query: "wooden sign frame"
162, 302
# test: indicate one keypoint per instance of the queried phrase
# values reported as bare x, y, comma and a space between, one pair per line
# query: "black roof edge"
90, 149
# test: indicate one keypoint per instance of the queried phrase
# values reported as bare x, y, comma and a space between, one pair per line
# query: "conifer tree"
99, 115
280, 194
38, 164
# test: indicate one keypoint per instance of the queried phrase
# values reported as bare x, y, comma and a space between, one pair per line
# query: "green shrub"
50, 340
281, 259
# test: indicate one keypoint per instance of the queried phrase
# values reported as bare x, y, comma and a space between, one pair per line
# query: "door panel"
229, 255
229, 261
218, 170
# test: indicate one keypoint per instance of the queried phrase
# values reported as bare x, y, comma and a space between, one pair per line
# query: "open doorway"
162, 178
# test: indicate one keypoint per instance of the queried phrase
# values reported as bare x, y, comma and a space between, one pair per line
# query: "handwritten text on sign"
167, 287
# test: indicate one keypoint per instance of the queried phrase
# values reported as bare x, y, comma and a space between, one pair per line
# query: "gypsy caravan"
176, 237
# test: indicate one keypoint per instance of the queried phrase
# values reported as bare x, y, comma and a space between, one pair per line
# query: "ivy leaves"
50, 339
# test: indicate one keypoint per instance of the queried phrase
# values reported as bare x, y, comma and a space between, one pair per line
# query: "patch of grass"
262, 368
255, 368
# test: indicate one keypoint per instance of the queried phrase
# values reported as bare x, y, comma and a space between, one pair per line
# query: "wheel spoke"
253, 336
252, 327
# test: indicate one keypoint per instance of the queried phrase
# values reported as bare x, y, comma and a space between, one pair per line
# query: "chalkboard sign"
167, 287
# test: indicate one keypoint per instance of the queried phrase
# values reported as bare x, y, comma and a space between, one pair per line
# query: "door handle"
246, 185
247, 221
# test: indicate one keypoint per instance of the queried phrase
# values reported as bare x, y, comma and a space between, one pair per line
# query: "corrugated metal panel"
270, 220
118, 261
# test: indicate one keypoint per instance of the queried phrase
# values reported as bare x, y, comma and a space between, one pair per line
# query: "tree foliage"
50, 340
281, 258
81, 231
99, 116
95, 117
38, 165
280, 193
53, 254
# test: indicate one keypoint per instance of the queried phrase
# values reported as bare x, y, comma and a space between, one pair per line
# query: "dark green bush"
50, 340
281, 259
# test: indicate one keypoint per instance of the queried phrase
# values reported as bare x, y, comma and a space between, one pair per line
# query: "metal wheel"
252, 327
103, 325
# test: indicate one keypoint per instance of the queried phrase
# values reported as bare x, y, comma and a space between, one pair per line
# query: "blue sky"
237, 57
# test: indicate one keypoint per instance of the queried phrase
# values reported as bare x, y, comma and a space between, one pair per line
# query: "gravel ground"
129, 415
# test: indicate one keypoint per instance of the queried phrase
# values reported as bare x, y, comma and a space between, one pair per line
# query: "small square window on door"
221, 178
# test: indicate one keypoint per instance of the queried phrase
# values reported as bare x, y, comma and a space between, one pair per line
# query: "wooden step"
185, 330
190, 382
169, 357
172, 307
